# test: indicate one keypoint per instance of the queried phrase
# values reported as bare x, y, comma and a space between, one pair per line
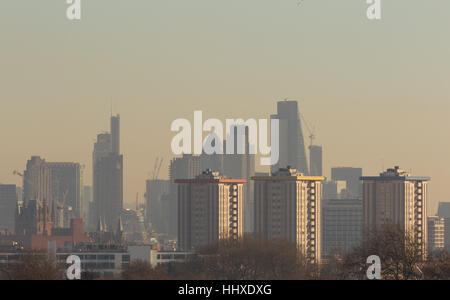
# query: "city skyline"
226, 57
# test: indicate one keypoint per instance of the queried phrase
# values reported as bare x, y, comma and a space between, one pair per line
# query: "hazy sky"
377, 92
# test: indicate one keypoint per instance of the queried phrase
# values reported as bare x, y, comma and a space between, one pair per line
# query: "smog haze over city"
372, 94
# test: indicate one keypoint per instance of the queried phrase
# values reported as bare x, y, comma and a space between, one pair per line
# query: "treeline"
253, 258
257, 259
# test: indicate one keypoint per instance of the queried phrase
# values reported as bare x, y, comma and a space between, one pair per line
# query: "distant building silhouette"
330, 190
108, 176
315, 160
187, 166
115, 134
213, 161
37, 181
352, 178
292, 145
67, 184
436, 227
158, 212
8, 206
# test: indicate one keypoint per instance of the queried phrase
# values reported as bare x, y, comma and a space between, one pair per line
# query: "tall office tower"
210, 209
351, 176
155, 208
108, 177
329, 190
435, 234
67, 183
109, 190
37, 181
288, 206
342, 225
292, 145
187, 166
115, 134
241, 164
87, 200
8, 206
315, 160
395, 197
212, 161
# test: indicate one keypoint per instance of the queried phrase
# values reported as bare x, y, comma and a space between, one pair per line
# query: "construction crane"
157, 167
312, 135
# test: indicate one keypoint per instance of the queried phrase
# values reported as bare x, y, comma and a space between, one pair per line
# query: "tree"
397, 251
34, 266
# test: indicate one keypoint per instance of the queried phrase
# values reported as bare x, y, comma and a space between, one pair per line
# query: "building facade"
315, 160
352, 179
210, 208
241, 164
108, 177
288, 207
8, 206
37, 181
342, 225
395, 197
436, 230
67, 184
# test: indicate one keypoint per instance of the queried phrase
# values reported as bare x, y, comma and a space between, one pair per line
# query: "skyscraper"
8, 206
212, 161
395, 197
115, 134
288, 206
87, 201
210, 209
156, 213
315, 160
352, 178
67, 183
436, 227
292, 145
108, 177
37, 181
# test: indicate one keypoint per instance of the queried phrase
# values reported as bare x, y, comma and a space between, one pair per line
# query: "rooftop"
396, 174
